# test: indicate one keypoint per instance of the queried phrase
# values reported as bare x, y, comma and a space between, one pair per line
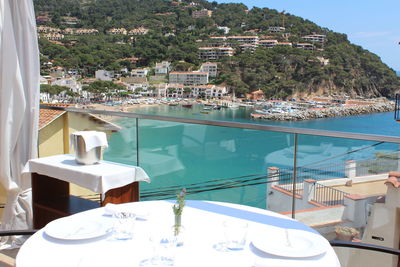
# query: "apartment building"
248, 47
315, 38
218, 38
188, 78
47, 29
139, 72
216, 91
206, 90
268, 43
70, 20
212, 53
305, 46
115, 31
162, 68
211, 68
85, 31
252, 40
201, 13
53, 36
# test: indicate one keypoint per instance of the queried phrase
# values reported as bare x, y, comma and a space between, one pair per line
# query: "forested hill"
334, 67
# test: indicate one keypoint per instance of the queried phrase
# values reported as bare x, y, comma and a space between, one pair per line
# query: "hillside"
333, 66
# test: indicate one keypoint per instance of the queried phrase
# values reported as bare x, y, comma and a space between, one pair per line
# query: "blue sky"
372, 24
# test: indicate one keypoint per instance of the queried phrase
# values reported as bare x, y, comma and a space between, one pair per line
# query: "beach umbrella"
19, 111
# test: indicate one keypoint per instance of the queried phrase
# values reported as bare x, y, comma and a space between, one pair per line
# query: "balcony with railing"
324, 179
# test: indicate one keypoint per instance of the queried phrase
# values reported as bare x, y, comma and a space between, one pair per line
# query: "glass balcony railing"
332, 181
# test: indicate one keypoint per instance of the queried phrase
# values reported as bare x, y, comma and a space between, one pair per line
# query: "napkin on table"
92, 139
110, 209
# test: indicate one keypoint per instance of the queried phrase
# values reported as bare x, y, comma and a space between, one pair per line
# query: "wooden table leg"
124, 194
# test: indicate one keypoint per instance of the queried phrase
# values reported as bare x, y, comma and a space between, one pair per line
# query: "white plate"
70, 229
302, 244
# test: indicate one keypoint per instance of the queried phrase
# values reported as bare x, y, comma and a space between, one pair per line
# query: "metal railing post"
294, 176
137, 141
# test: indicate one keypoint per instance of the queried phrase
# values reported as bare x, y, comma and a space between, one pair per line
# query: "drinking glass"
235, 234
124, 225
164, 248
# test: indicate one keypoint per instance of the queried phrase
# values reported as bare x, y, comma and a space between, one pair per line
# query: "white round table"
203, 239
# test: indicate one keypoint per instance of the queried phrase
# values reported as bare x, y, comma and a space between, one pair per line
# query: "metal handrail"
250, 126
329, 196
397, 108
366, 246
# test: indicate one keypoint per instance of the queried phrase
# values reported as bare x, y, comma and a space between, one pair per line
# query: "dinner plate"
301, 244
68, 229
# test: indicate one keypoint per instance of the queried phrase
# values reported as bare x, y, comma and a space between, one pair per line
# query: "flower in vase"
178, 208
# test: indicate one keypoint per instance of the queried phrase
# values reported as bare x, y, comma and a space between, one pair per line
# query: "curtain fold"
19, 111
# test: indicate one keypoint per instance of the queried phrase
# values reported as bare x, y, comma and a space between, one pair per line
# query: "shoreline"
308, 114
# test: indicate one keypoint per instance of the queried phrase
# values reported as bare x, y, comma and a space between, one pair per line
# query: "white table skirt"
203, 232
99, 177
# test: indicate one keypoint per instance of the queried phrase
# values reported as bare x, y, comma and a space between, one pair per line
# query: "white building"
115, 31
211, 68
268, 43
139, 72
305, 46
207, 91
162, 68
71, 83
104, 75
160, 90
216, 91
53, 36
210, 53
86, 31
188, 78
315, 38
253, 40
248, 47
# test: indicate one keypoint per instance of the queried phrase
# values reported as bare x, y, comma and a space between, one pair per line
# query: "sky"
372, 24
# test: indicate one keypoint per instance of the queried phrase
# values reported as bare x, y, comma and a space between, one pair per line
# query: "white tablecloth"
203, 234
99, 177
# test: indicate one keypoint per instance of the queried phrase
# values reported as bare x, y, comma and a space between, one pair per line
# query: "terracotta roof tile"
48, 115
394, 179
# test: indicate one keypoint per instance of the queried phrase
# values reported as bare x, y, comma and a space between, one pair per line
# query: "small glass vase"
178, 230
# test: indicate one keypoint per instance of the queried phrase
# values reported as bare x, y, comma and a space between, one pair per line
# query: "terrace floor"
365, 189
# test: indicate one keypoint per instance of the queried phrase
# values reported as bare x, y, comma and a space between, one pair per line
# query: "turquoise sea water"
222, 159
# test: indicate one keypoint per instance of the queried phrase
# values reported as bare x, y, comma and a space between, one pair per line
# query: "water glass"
124, 225
164, 250
235, 234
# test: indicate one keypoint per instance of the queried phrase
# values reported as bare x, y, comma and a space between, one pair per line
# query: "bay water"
230, 164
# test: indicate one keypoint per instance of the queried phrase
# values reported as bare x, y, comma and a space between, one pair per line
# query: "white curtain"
19, 111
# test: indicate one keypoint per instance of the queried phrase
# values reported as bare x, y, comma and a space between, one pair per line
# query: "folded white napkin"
110, 209
92, 139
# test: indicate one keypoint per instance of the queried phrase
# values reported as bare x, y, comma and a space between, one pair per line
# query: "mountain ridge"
279, 72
